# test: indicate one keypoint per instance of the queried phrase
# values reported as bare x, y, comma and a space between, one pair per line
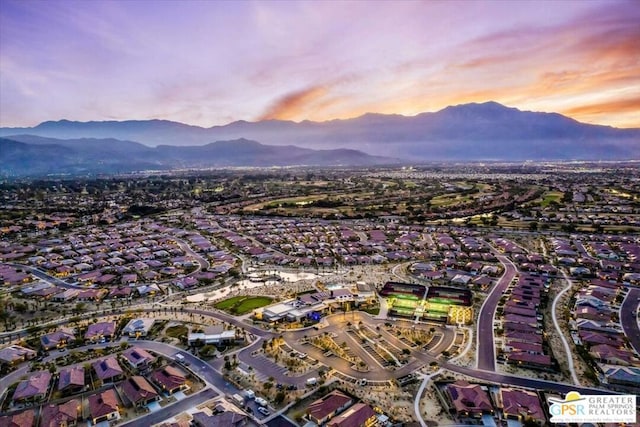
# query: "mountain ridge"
463, 132
486, 104
29, 155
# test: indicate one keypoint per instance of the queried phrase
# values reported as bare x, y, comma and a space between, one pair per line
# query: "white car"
264, 411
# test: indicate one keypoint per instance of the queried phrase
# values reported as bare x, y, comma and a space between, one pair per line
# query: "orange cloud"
621, 106
293, 104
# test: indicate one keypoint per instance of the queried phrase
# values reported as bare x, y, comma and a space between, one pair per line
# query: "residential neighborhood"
229, 314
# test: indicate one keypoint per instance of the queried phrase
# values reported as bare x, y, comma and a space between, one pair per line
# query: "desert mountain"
29, 155
488, 131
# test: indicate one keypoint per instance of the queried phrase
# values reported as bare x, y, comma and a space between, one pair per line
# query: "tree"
280, 396
20, 307
79, 308
32, 330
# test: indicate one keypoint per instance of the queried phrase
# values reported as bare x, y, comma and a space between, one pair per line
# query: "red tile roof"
355, 416
137, 389
23, 419
71, 377
470, 398
58, 415
521, 403
107, 368
136, 356
36, 385
102, 404
169, 378
327, 405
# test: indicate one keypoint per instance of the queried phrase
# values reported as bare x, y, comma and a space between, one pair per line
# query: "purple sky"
213, 62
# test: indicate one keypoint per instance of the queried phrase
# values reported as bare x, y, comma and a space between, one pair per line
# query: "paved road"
554, 315
198, 366
486, 355
47, 277
220, 386
173, 409
337, 325
523, 382
629, 318
203, 262
232, 320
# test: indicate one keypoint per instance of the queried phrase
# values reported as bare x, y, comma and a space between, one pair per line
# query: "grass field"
551, 196
177, 331
243, 304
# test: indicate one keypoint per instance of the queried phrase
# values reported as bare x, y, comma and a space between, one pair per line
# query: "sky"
209, 63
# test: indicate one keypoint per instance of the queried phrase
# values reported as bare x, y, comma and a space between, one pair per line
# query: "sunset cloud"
630, 105
209, 63
294, 104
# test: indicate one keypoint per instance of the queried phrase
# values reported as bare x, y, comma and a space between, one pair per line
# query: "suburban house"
15, 354
137, 328
108, 370
469, 400
22, 419
169, 379
138, 358
57, 339
325, 408
100, 331
605, 353
64, 414
521, 405
103, 406
33, 389
139, 391
358, 415
71, 379
226, 419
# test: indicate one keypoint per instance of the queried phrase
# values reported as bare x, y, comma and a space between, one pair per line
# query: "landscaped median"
240, 305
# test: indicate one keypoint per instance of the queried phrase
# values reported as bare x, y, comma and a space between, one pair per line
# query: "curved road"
203, 262
554, 316
485, 345
629, 317
338, 325
219, 386
47, 277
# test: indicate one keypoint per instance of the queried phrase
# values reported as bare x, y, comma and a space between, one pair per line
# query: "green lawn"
374, 311
229, 302
551, 196
177, 331
243, 304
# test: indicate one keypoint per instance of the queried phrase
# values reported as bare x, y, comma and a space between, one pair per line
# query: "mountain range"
29, 155
487, 131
